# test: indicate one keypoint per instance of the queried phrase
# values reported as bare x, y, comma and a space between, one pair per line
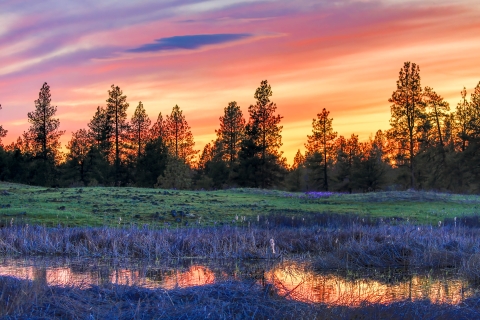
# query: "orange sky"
342, 55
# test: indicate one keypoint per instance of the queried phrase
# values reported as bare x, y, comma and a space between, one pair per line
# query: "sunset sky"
341, 55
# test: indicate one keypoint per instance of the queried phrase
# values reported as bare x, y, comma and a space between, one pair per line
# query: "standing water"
292, 280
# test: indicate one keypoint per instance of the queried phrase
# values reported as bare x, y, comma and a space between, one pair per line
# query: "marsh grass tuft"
350, 247
23, 299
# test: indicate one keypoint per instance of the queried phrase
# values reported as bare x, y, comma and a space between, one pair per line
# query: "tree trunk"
117, 153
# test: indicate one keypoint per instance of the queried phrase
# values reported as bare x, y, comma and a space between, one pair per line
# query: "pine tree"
298, 160
231, 132
117, 109
250, 163
267, 137
43, 134
369, 170
463, 119
321, 142
151, 164
212, 170
437, 111
177, 175
3, 132
475, 118
101, 131
295, 180
179, 137
158, 129
348, 152
79, 147
139, 129
407, 113
206, 156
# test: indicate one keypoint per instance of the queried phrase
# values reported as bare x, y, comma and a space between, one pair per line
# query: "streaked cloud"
189, 42
342, 55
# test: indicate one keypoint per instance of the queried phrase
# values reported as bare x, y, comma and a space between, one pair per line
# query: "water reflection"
195, 275
291, 280
167, 279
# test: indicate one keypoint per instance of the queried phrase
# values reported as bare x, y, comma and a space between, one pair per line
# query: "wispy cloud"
343, 55
190, 42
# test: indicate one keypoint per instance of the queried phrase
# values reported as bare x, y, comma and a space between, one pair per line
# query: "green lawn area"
97, 206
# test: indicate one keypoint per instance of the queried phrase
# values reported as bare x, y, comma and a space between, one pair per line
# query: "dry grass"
351, 247
21, 299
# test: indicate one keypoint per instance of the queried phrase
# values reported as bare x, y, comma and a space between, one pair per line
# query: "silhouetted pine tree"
407, 114
320, 146
179, 137
79, 147
348, 153
463, 117
3, 132
3, 154
267, 136
177, 175
296, 176
43, 134
369, 167
139, 129
231, 132
437, 110
152, 163
101, 132
117, 110
43, 139
213, 170
246, 172
158, 129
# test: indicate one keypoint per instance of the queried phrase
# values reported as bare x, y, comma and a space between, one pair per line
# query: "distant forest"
428, 147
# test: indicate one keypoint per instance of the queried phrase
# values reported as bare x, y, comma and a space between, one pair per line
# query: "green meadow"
109, 206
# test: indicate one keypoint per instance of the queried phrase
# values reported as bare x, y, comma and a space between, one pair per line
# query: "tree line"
428, 146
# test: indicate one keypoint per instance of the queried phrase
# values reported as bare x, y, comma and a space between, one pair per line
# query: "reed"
350, 247
22, 299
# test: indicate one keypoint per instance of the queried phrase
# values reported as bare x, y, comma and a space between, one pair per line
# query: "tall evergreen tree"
43, 132
348, 152
177, 175
79, 147
179, 137
265, 124
42, 139
407, 114
231, 132
101, 131
463, 117
158, 129
152, 163
3, 132
321, 142
213, 170
475, 113
250, 163
437, 111
117, 109
295, 180
369, 171
139, 129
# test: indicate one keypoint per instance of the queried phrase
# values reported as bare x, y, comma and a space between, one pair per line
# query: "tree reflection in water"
291, 280
304, 285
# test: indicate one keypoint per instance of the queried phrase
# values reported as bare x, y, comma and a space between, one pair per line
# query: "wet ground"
293, 280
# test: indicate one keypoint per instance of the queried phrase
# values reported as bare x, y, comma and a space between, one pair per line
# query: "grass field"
100, 206
347, 233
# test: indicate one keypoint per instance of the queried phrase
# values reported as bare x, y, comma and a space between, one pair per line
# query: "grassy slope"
124, 206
